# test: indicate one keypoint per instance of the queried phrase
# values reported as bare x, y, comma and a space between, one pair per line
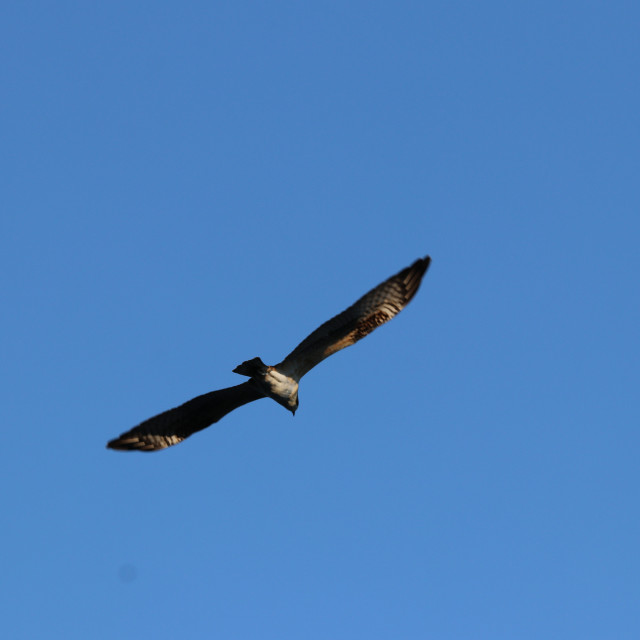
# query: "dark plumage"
279, 382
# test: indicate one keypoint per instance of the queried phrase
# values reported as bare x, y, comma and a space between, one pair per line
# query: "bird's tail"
253, 368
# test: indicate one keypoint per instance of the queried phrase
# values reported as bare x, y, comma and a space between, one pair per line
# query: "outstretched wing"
173, 426
360, 319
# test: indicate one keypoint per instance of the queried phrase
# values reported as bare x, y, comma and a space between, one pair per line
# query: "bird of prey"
279, 382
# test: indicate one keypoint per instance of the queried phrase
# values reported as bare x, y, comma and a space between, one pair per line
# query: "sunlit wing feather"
359, 320
173, 426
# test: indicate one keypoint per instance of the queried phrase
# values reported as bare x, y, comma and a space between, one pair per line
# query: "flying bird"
279, 382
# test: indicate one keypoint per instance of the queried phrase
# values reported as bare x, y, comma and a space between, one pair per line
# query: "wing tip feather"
423, 264
142, 443
413, 276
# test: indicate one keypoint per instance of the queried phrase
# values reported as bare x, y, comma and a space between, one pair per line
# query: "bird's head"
293, 403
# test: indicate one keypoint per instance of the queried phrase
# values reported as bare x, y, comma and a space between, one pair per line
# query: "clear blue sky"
187, 185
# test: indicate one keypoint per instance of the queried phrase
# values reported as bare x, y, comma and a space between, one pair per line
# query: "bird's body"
279, 382
274, 382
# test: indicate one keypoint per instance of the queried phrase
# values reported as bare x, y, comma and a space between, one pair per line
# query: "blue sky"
188, 185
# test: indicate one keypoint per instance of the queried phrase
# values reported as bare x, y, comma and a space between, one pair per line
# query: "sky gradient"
189, 185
